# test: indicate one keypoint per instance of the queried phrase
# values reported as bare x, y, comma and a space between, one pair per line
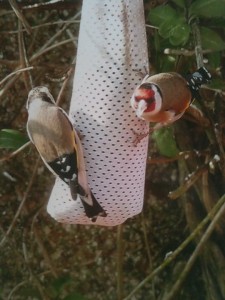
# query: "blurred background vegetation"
42, 259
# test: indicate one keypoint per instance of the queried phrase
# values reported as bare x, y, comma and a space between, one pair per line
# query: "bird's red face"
146, 93
146, 99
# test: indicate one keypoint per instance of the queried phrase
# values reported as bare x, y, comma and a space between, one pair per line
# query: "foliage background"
41, 259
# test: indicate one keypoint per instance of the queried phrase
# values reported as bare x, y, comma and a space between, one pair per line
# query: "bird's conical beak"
142, 105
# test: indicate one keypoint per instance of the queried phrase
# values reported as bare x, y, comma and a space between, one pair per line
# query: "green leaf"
208, 8
180, 35
211, 39
179, 3
28, 293
214, 60
217, 84
60, 283
160, 14
166, 27
165, 141
74, 296
175, 26
167, 63
10, 138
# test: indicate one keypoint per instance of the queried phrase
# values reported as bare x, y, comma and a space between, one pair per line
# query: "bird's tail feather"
196, 79
91, 206
94, 209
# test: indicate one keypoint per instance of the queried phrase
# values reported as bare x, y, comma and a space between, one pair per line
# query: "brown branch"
41, 26
37, 6
177, 286
64, 85
143, 224
20, 15
27, 281
12, 154
44, 252
21, 204
34, 57
184, 52
34, 278
119, 262
217, 211
14, 73
191, 179
180, 155
23, 59
198, 43
39, 53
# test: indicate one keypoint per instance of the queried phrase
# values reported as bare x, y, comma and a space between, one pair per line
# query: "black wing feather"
196, 79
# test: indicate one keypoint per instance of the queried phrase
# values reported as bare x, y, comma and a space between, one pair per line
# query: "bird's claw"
137, 137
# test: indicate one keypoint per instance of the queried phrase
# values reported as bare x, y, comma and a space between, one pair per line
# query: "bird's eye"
45, 97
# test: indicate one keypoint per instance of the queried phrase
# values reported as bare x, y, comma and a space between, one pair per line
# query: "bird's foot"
141, 73
138, 137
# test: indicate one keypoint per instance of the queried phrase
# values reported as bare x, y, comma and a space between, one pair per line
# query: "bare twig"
205, 188
7, 157
71, 36
21, 204
184, 52
51, 48
181, 155
200, 63
24, 60
177, 286
39, 53
192, 236
51, 5
14, 73
16, 288
64, 85
44, 252
217, 91
120, 262
146, 241
24, 282
42, 25
198, 43
191, 179
20, 16
188, 183
219, 138
32, 275
151, 26
49, 42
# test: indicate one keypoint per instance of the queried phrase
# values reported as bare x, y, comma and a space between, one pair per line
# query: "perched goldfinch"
59, 146
163, 98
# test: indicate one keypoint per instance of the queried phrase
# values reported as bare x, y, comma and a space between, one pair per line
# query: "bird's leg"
138, 137
143, 74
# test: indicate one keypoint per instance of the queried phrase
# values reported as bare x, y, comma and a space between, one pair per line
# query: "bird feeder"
112, 49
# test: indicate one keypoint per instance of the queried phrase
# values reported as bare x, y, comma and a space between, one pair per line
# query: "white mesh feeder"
112, 47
